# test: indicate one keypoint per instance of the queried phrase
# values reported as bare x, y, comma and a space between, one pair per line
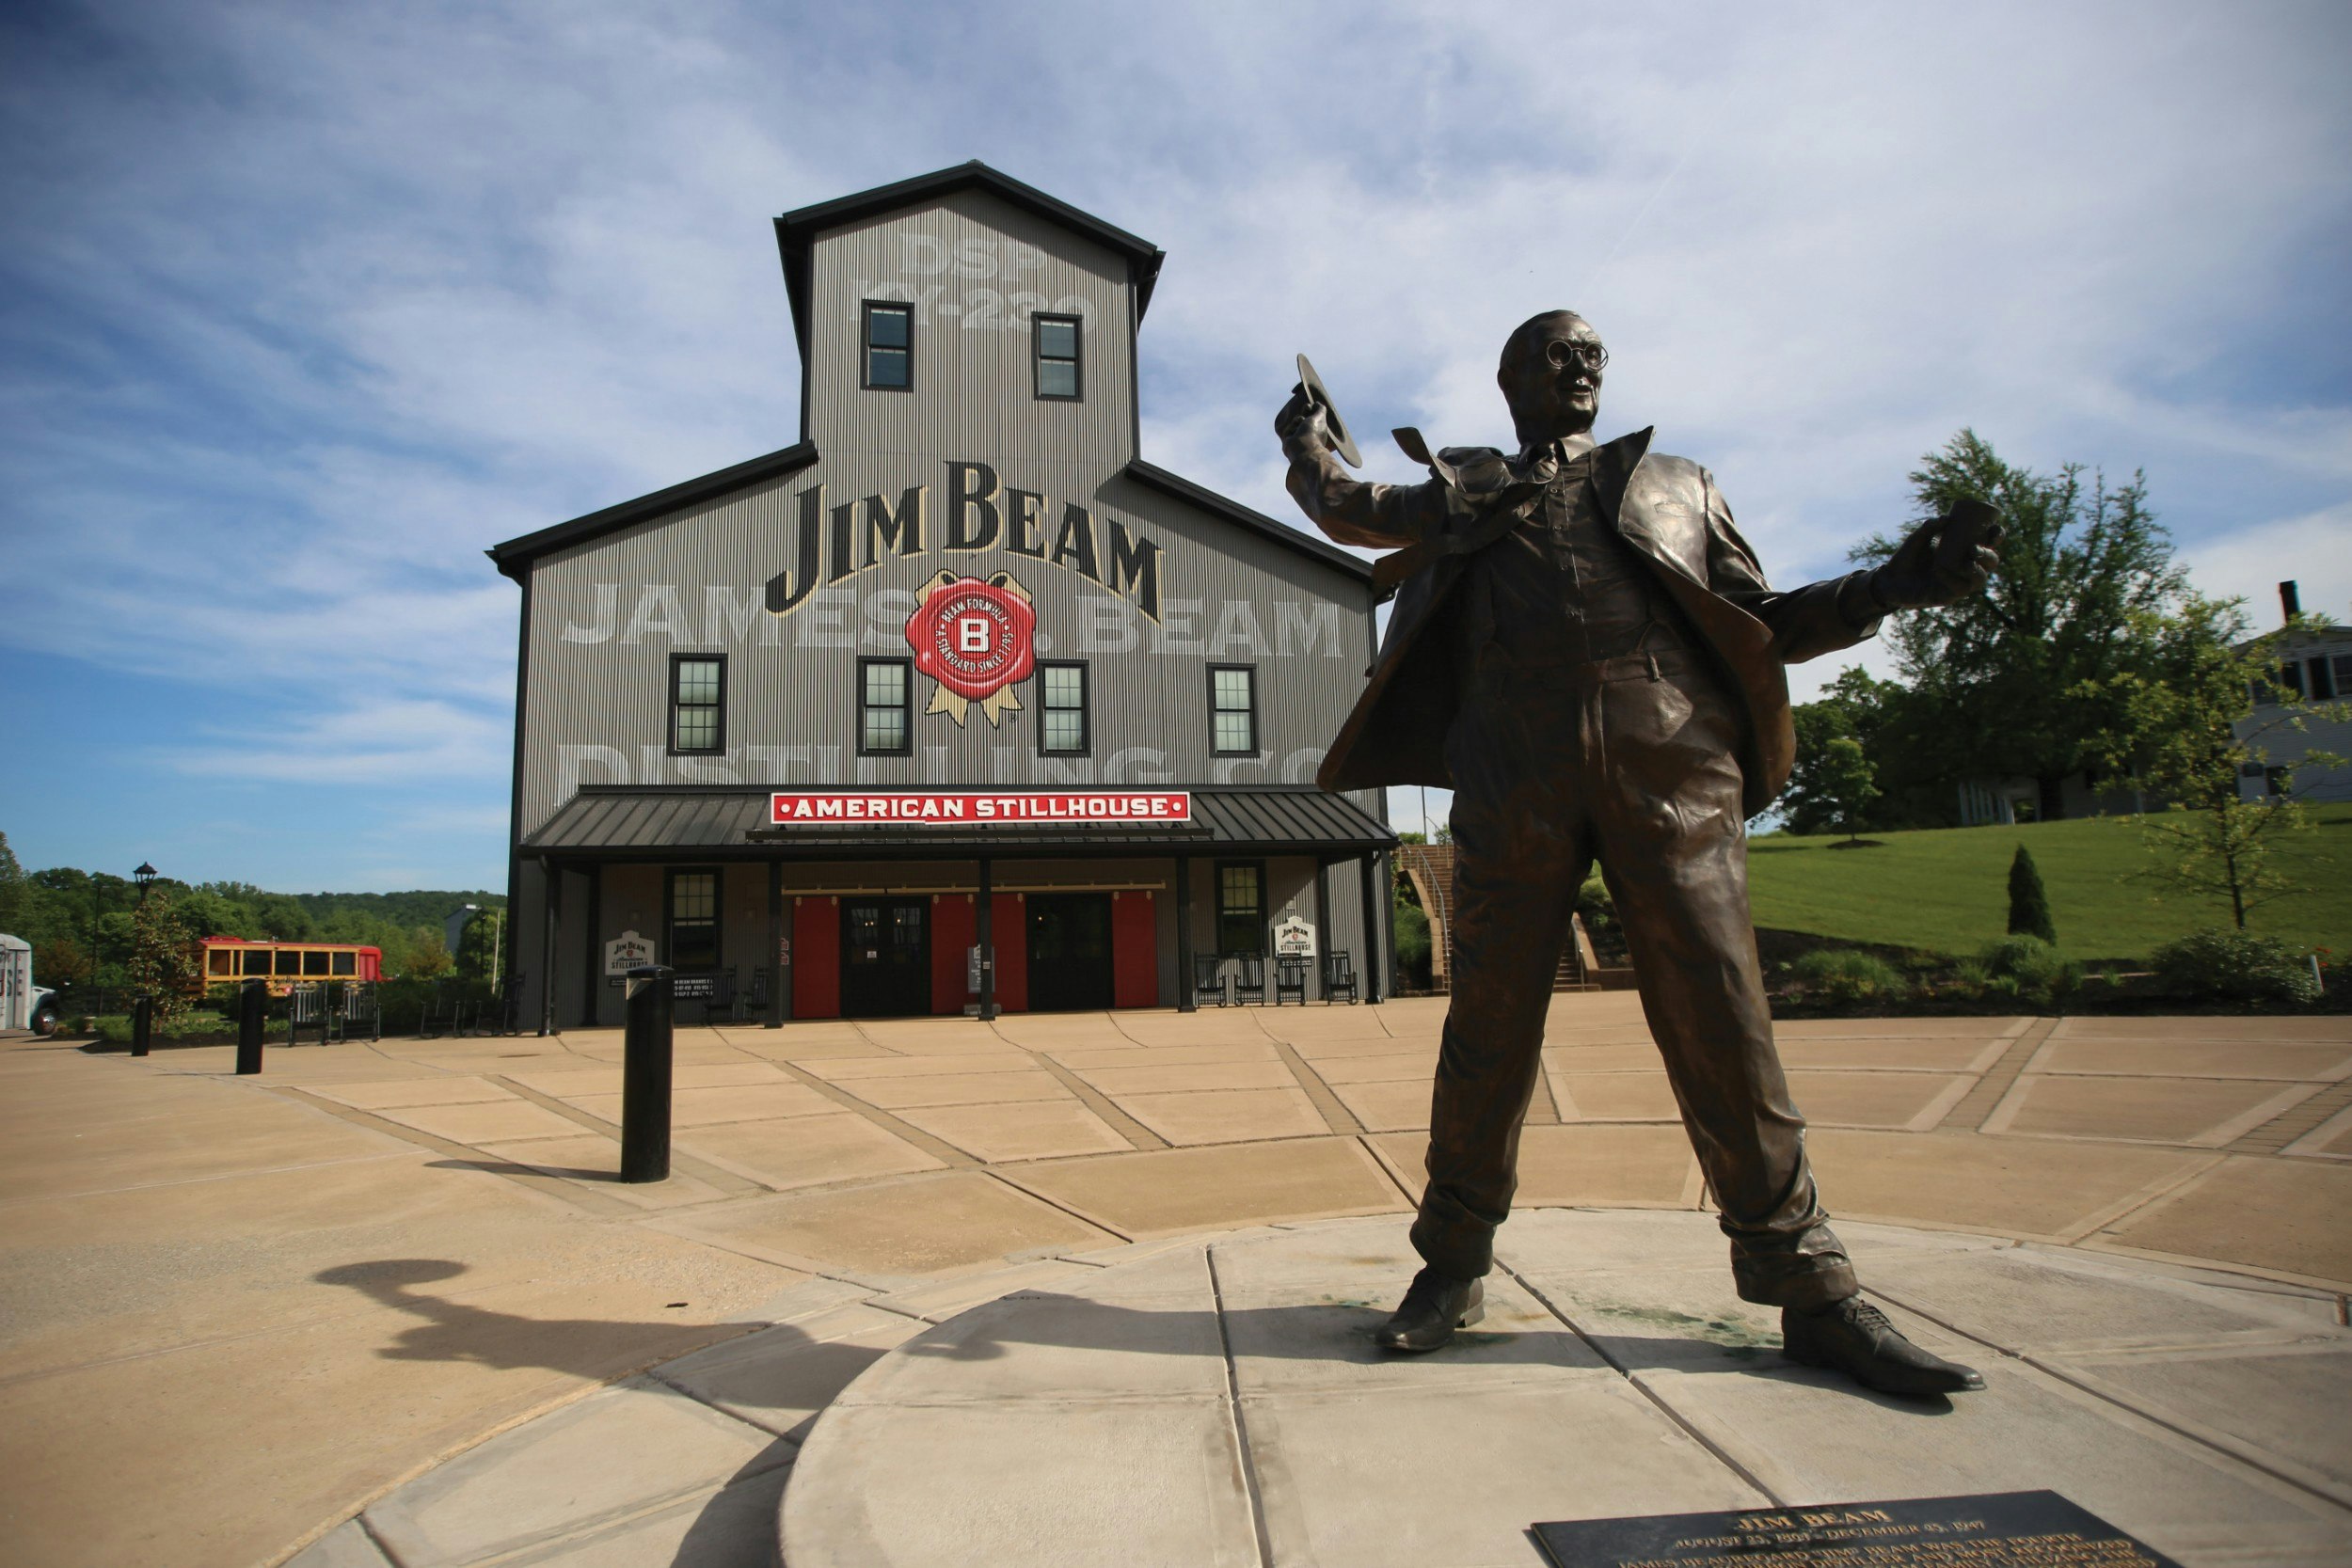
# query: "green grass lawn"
1947, 889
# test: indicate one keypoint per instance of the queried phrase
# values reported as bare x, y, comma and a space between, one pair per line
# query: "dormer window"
889, 347
1057, 346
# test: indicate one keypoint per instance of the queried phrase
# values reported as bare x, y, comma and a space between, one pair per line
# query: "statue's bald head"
1548, 378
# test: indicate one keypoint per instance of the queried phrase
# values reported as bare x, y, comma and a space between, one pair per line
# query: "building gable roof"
515, 555
796, 231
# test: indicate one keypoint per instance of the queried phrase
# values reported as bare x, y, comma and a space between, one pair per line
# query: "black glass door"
885, 957
1070, 952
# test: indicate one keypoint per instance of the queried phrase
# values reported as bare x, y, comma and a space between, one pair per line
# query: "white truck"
22, 1003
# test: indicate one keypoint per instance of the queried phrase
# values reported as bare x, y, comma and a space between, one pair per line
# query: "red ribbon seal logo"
976, 638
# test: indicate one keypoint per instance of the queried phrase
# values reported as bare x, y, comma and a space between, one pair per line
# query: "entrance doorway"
885, 957
1070, 952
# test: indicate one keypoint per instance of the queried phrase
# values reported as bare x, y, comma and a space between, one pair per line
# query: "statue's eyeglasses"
1584, 351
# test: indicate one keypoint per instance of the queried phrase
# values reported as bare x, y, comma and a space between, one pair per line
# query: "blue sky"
303, 307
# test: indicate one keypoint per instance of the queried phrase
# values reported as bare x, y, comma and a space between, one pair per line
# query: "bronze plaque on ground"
1993, 1530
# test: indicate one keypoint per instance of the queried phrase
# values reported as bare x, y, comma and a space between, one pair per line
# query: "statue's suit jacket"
1668, 509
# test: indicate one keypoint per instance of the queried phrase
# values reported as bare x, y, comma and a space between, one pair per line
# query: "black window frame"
1251, 749
670, 875
1265, 933
719, 730
905, 706
2319, 678
1086, 708
866, 310
1039, 359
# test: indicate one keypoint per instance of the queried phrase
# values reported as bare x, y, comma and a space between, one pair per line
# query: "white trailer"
22, 1003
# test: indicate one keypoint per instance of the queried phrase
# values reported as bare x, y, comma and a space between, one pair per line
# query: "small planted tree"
2194, 731
1846, 783
2029, 902
164, 957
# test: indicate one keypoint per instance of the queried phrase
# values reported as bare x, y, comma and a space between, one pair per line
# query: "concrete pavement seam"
938, 1149
1240, 1417
578, 1199
1978, 1105
2058, 1373
1097, 1101
728, 1182
1721, 1456
1327, 1103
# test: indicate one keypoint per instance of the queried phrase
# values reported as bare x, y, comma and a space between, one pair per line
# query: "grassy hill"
1947, 889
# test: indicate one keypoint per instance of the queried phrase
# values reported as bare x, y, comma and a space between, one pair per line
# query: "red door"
1134, 950
816, 957
1009, 921
951, 940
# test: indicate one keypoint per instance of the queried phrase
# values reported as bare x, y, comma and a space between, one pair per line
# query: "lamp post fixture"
144, 877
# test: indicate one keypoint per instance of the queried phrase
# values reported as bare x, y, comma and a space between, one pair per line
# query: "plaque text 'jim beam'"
1993, 1530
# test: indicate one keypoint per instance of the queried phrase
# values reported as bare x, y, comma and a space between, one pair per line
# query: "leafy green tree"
2022, 679
2191, 730
1848, 784
2028, 901
164, 955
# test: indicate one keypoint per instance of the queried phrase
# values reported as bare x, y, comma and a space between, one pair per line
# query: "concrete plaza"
402, 1277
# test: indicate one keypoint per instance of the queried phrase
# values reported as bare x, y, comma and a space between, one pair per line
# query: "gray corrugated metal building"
963, 578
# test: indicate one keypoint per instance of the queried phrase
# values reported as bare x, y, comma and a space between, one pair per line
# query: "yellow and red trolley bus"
285, 964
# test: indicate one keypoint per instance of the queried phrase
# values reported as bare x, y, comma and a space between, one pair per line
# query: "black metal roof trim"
1156, 478
796, 231
515, 554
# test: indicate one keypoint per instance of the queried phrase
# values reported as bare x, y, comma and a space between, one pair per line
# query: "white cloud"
362, 743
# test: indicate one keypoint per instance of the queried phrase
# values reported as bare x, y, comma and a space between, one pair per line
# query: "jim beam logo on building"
976, 638
837, 543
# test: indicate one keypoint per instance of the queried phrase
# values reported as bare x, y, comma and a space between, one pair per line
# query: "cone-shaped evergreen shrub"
2029, 905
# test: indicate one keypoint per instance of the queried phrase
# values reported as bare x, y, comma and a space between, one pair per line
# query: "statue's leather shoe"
1855, 1337
1433, 1307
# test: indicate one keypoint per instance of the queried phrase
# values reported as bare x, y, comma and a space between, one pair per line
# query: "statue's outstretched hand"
1306, 436
1945, 561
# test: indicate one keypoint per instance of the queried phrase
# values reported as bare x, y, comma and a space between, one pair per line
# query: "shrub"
2034, 969
2028, 904
2236, 966
1842, 974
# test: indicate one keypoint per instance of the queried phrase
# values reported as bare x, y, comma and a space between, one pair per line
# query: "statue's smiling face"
1550, 375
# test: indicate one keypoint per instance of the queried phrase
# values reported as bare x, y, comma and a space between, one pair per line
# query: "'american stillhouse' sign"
977, 807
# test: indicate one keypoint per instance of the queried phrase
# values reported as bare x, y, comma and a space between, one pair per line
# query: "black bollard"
250, 1004
645, 1077
142, 1025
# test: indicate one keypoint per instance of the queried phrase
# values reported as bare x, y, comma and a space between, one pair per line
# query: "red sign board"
978, 808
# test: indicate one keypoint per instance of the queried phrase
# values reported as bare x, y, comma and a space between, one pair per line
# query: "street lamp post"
143, 1007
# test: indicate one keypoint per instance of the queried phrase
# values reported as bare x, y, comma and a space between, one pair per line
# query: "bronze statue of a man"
1584, 650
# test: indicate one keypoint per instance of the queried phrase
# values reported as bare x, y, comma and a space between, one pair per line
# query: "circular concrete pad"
1219, 1400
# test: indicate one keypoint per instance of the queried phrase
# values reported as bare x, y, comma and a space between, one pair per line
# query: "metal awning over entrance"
623, 822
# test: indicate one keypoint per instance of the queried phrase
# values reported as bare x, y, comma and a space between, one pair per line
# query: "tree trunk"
2052, 805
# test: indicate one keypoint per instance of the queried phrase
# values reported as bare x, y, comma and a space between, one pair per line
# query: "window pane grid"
1232, 718
883, 716
1057, 344
889, 344
697, 687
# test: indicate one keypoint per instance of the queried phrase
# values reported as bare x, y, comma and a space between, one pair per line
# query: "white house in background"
2317, 665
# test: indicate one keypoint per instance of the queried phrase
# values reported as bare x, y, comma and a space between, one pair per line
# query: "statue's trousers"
1633, 761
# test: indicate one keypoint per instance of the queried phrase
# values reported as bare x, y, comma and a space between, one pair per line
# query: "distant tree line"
86, 930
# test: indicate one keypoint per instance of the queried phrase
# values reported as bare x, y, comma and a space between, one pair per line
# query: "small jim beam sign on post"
1293, 937
1993, 1530
623, 952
